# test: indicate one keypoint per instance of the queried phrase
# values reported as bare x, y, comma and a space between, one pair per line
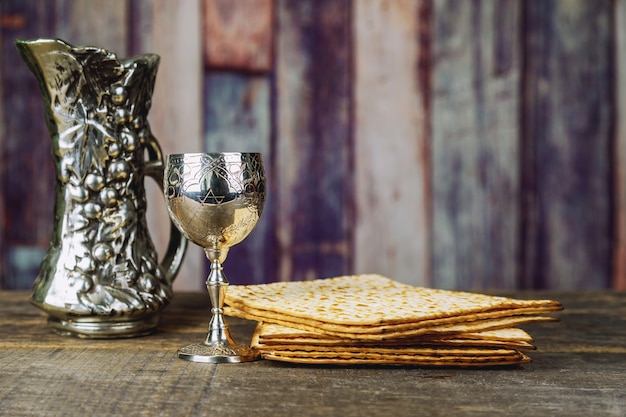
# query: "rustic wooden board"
475, 147
578, 369
25, 141
85, 22
21, 265
141, 16
514, 145
314, 178
619, 159
567, 230
176, 114
237, 118
4, 20
391, 123
11, 21
238, 34
26, 172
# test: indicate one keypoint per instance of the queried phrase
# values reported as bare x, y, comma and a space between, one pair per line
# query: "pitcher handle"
177, 245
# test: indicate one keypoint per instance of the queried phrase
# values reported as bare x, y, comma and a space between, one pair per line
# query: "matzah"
422, 355
370, 319
276, 336
383, 333
413, 360
371, 300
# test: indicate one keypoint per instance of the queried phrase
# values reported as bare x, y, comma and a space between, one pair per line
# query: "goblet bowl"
215, 199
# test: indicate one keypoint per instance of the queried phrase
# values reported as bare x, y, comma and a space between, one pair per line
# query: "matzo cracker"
369, 300
382, 333
276, 336
329, 358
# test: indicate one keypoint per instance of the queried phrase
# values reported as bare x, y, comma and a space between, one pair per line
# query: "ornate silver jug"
100, 277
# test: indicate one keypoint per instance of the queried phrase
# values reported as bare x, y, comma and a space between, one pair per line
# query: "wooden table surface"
578, 369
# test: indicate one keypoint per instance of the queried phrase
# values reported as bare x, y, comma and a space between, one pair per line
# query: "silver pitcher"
100, 277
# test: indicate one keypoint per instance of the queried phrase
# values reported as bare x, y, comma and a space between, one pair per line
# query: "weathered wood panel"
619, 160
475, 144
26, 168
237, 113
25, 141
98, 23
141, 27
238, 34
313, 148
4, 20
21, 264
506, 115
567, 131
237, 118
578, 369
238, 39
391, 124
176, 114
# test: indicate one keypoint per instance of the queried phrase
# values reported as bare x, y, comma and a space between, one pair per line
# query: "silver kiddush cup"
100, 277
215, 199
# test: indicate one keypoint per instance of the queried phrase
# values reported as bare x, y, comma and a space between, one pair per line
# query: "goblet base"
218, 353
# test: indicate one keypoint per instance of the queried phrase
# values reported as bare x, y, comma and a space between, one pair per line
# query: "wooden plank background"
567, 117
391, 163
313, 139
467, 145
475, 143
619, 146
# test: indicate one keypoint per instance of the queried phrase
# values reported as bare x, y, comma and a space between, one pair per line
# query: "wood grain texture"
506, 115
238, 34
475, 148
578, 369
567, 132
103, 24
4, 20
619, 158
21, 265
237, 118
26, 164
141, 26
176, 114
313, 146
391, 154
26, 169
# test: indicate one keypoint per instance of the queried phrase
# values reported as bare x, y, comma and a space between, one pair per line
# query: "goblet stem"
219, 346
216, 284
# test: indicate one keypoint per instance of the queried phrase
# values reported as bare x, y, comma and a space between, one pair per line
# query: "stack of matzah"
370, 319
